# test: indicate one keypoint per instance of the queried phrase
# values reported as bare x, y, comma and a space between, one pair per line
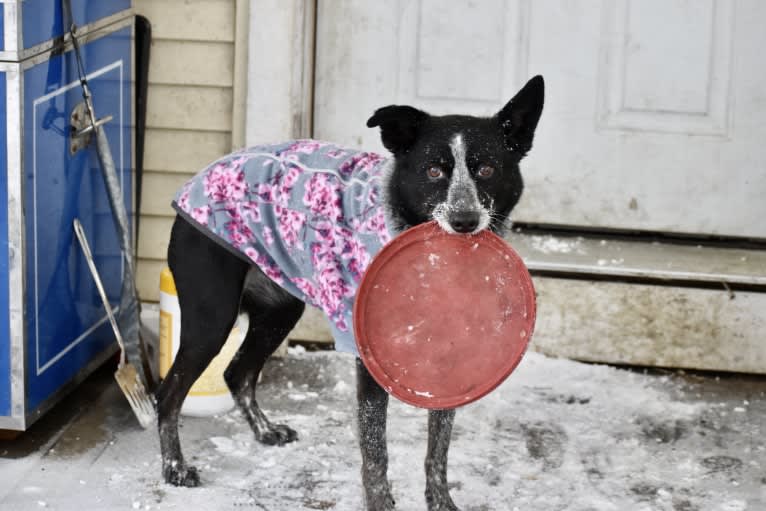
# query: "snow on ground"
557, 435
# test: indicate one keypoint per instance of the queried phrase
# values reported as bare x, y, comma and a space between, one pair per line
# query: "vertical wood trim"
310, 63
239, 103
280, 70
304, 90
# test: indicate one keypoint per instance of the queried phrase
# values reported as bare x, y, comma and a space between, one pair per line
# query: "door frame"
280, 70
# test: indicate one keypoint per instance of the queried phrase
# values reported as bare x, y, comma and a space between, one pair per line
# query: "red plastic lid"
442, 319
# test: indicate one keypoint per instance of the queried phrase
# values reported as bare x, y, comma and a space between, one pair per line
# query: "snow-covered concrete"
557, 435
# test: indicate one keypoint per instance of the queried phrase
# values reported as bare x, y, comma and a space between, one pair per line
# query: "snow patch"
296, 350
552, 245
341, 387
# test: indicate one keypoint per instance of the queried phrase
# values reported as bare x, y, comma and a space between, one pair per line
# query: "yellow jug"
209, 395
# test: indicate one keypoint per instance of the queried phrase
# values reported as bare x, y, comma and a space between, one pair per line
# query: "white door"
655, 109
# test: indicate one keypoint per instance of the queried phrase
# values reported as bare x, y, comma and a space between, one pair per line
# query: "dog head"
461, 171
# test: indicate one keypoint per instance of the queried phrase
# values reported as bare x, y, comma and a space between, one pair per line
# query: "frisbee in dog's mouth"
442, 319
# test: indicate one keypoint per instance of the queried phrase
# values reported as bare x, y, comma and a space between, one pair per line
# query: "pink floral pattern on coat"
306, 212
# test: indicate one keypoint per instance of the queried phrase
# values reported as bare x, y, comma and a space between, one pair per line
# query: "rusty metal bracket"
81, 129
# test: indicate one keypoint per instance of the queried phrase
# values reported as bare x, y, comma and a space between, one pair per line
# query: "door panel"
654, 109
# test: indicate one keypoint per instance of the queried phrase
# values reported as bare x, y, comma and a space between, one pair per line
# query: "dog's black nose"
464, 221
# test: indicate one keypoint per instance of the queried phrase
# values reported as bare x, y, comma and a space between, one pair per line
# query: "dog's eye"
435, 172
485, 171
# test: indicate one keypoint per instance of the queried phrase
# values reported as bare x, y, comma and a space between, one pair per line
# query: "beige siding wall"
189, 112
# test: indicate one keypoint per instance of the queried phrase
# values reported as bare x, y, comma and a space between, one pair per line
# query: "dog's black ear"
518, 119
399, 126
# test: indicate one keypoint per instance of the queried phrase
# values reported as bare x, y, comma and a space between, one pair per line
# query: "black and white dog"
461, 171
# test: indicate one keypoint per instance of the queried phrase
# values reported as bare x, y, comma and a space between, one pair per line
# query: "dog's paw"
179, 474
276, 434
440, 501
384, 502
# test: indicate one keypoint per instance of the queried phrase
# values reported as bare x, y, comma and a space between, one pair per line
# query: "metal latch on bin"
81, 129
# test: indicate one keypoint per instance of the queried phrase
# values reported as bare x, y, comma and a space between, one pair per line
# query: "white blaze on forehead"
462, 194
460, 174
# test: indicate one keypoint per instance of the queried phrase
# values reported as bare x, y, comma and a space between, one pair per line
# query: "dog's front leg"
373, 405
439, 433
